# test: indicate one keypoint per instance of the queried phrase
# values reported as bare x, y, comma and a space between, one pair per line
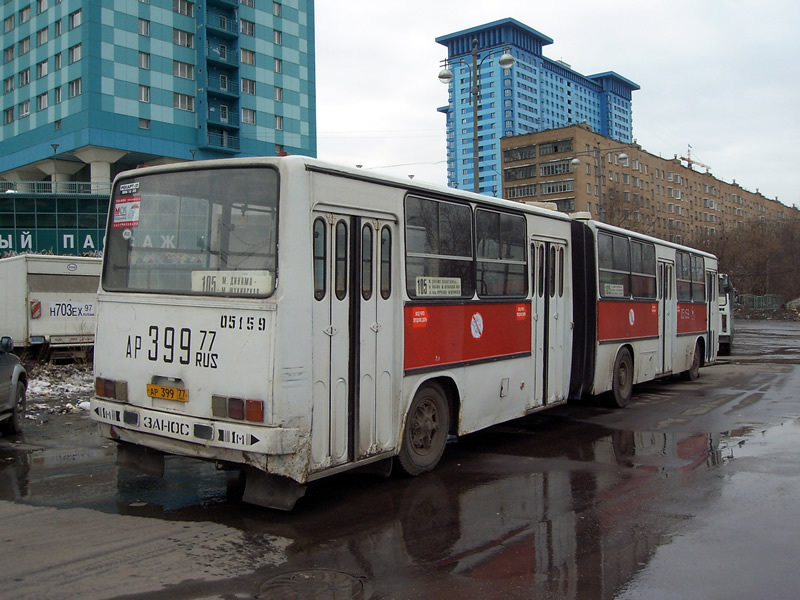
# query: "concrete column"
59, 171
23, 179
100, 161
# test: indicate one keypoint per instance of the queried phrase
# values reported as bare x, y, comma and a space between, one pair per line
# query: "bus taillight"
238, 409
111, 389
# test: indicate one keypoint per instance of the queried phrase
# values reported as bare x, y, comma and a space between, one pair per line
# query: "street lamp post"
53, 180
506, 61
599, 157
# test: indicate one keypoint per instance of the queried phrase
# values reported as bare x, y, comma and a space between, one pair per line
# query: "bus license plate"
168, 393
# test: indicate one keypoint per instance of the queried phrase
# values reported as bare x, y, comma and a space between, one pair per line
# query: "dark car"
13, 384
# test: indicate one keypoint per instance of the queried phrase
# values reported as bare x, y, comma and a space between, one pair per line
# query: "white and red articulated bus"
292, 319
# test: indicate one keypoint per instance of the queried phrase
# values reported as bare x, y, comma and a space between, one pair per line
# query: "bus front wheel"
622, 384
425, 431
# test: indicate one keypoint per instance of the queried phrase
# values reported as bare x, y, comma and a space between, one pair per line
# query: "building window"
57, 28
278, 65
57, 95
557, 187
183, 102
250, 3
144, 60
24, 46
559, 167
75, 88
57, 62
41, 69
144, 93
182, 70
183, 38
144, 27
75, 54
278, 94
41, 6
276, 9
8, 24
144, 123
41, 101
8, 54
248, 57
247, 27
278, 123
24, 77
41, 37
183, 7
277, 37
248, 86
25, 15
248, 116
24, 109
74, 19
8, 116
8, 84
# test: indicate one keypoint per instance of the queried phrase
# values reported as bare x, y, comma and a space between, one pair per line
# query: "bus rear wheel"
694, 371
425, 432
622, 383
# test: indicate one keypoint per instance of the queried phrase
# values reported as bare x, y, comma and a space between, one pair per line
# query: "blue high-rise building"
92, 87
535, 94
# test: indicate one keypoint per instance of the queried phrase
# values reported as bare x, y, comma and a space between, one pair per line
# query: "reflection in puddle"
542, 507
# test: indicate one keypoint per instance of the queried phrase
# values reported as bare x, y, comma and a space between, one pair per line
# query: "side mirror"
6, 344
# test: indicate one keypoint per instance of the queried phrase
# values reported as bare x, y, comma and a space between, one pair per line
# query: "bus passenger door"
667, 324
352, 325
550, 321
712, 316
375, 351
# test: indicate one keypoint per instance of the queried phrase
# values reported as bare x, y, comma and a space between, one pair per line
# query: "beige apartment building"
673, 199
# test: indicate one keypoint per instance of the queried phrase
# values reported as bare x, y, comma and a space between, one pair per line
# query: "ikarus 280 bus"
293, 319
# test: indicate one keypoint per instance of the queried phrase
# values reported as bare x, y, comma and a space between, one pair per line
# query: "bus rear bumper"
270, 449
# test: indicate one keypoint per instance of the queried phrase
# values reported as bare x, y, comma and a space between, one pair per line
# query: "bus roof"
320, 166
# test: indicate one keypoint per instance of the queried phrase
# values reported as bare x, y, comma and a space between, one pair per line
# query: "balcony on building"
223, 85
223, 25
221, 54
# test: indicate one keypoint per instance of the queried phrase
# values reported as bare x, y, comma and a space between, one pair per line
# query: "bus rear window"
205, 231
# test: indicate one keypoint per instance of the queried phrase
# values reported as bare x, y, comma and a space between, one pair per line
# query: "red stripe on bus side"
626, 320
439, 334
691, 318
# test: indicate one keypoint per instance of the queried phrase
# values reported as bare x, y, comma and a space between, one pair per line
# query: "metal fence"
766, 302
59, 187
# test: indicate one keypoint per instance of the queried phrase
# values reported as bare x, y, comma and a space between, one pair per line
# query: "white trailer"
47, 303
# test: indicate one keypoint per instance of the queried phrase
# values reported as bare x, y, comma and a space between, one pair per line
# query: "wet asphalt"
693, 491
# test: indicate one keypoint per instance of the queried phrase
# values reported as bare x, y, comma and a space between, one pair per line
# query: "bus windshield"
207, 232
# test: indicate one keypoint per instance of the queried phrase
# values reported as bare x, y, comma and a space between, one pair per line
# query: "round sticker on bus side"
476, 325
631, 316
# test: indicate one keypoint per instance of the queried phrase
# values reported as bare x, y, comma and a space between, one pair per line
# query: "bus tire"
622, 382
425, 431
694, 371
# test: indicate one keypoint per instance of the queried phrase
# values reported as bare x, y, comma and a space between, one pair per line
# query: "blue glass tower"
537, 93
92, 87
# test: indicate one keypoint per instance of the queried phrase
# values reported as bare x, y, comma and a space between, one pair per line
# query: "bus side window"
386, 262
366, 261
340, 274
541, 270
320, 259
552, 272
560, 272
698, 279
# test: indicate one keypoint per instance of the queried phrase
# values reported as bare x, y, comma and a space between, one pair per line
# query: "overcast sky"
722, 76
